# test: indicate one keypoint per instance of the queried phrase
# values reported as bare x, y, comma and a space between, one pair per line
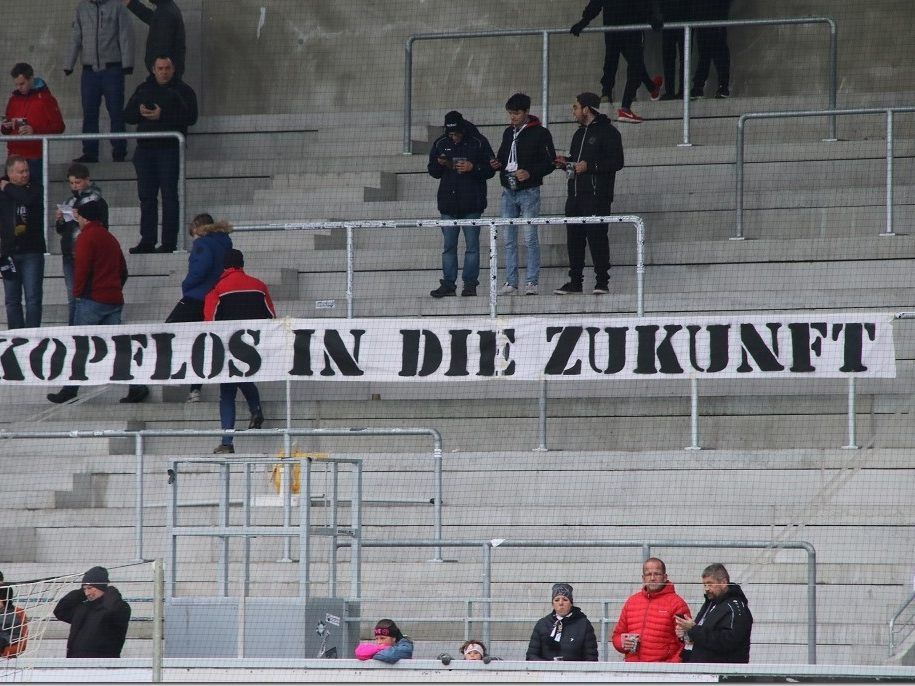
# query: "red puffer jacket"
40, 110
651, 615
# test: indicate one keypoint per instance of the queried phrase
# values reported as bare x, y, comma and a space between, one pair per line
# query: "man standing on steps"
166, 32
460, 158
98, 617
595, 155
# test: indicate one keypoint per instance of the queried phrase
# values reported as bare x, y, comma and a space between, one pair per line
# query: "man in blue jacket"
460, 159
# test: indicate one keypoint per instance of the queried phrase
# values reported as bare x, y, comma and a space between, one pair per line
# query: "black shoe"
468, 291
257, 419
223, 448
165, 248
142, 249
442, 291
568, 289
86, 159
723, 92
64, 394
696, 93
136, 394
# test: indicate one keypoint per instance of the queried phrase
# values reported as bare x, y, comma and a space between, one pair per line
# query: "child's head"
78, 177
473, 650
387, 633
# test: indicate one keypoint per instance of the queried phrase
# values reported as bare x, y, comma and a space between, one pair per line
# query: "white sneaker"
531, 289
193, 396
508, 289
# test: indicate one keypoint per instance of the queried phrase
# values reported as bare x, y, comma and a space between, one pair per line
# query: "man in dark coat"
595, 155
713, 48
97, 615
720, 631
565, 633
166, 32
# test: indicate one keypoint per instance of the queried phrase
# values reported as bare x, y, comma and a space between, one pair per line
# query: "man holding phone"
646, 630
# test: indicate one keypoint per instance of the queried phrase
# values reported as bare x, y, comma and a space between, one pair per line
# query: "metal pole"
349, 271
542, 403
545, 79
493, 268
287, 495
356, 547
182, 190
246, 504
408, 96
833, 75
640, 267
437, 458
170, 517
158, 593
305, 529
811, 605
888, 230
224, 521
138, 497
852, 438
694, 414
333, 529
288, 404
487, 593
738, 174
45, 161
687, 47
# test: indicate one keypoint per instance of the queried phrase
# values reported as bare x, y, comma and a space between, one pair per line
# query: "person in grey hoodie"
102, 36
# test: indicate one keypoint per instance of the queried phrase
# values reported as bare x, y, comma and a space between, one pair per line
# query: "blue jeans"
471, 273
157, 169
521, 203
67, 264
90, 313
29, 278
227, 404
108, 82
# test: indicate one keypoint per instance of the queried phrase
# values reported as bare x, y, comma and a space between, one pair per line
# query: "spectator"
473, 649
460, 158
82, 190
14, 624
721, 630
30, 110
646, 631
98, 617
631, 44
99, 275
565, 633
596, 154
22, 243
163, 102
525, 157
672, 45
166, 32
713, 48
103, 34
390, 644
204, 267
237, 296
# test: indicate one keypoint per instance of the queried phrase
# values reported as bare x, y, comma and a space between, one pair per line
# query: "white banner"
443, 349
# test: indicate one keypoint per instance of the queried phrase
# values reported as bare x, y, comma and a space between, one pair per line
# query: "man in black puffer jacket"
565, 633
97, 615
720, 631
595, 155
460, 158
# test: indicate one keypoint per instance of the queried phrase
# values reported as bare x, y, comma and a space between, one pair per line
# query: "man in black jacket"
166, 32
460, 159
163, 102
564, 634
97, 615
713, 48
595, 155
720, 631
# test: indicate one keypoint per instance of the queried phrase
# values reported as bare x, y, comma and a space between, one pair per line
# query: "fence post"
487, 593
45, 161
493, 268
545, 79
738, 174
888, 229
350, 267
852, 438
640, 267
287, 494
157, 635
687, 43
542, 405
408, 96
694, 414
138, 496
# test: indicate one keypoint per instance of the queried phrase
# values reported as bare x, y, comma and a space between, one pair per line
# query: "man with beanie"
98, 617
595, 155
166, 31
99, 275
237, 296
646, 630
525, 157
460, 158
565, 633
103, 35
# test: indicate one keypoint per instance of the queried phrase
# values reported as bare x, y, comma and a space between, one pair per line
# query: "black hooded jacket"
166, 32
178, 103
98, 628
461, 194
623, 12
535, 152
576, 644
722, 631
22, 206
601, 146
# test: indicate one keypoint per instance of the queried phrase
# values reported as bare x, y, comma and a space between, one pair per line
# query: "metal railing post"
334, 523
833, 76
852, 438
687, 48
288, 403
45, 162
408, 97
171, 521
541, 448
350, 267
493, 269
138, 496
246, 515
157, 633
640, 267
487, 593
811, 603
694, 414
356, 544
224, 522
182, 192
305, 528
287, 494
738, 174
545, 79
437, 506
888, 229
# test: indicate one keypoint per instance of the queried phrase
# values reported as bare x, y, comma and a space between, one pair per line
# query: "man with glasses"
647, 630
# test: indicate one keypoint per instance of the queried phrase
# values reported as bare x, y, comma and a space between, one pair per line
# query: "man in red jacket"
646, 630
31, 109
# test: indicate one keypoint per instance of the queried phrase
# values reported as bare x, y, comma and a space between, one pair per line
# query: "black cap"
97, 576
588, 99
454, 122
234, 259
90, 211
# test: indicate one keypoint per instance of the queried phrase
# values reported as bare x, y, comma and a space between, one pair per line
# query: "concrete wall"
323, 55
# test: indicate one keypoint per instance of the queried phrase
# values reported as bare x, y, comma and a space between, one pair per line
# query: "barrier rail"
545, 59
46, 139
492, 222
895, 624
739, 167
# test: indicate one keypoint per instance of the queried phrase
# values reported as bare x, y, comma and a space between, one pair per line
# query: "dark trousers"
227, 404
672, 46
94, 85
594, 236
713, 48
157, 170
187, 310
629, 44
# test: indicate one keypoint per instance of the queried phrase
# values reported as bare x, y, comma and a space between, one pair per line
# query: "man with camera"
32, 109
595, 155
163, 102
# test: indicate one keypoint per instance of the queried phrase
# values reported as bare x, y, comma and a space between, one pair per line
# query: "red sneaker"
628, 116
658, 82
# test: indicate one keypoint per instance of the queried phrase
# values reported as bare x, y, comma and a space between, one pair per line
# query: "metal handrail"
893, 643
545, 59
833, 113
46, 139
492, 222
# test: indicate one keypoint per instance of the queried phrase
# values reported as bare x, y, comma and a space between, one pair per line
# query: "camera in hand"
512, 181
570, 169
